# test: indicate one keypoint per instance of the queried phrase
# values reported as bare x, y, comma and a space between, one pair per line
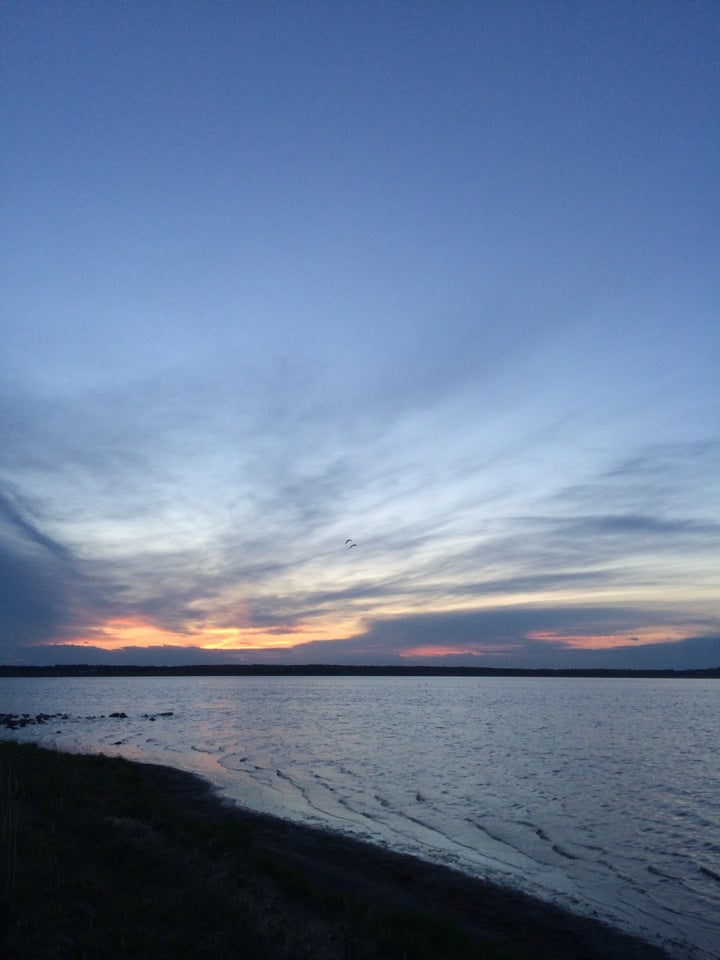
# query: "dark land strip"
331, 670
104, 858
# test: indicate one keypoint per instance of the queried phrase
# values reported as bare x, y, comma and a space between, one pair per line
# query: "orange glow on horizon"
128, 632
607, 641
135, 631
118, 632
260, 638
471, 649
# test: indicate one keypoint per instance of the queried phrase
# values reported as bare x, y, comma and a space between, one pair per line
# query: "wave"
708, 872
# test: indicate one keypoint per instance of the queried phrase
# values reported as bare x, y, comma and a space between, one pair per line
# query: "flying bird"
349, 540
349, 543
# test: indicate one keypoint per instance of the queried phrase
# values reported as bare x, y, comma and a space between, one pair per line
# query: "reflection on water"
599, 794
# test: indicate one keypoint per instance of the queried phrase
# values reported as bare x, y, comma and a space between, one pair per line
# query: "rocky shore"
16, 721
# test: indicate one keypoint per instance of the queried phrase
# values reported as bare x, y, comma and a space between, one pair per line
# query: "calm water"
601, 795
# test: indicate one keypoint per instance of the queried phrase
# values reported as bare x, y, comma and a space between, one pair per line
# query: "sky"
438, 278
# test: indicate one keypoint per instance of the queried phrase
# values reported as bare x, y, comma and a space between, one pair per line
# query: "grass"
8, 841
96, 864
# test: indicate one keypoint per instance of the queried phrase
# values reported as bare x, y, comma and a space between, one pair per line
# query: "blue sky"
441, 278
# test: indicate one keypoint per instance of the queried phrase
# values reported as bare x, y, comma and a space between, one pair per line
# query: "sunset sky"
439, 277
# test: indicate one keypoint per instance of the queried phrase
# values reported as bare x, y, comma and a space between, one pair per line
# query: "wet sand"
380, 877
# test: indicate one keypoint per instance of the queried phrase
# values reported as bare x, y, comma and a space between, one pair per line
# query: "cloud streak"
262, 587
476, 333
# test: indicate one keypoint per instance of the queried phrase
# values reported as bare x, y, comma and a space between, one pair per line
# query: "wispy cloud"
256, 322
39, 577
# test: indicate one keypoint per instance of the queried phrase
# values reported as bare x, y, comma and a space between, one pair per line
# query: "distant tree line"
327, 670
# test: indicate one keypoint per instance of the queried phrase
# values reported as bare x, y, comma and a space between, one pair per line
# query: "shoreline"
350, 670
387, 879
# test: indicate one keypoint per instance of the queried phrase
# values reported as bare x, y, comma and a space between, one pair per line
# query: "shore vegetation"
102, 858
99, 862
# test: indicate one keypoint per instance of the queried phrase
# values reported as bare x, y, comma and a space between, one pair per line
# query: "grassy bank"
99, 862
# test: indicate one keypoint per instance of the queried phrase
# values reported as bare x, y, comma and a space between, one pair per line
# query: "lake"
602, 795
